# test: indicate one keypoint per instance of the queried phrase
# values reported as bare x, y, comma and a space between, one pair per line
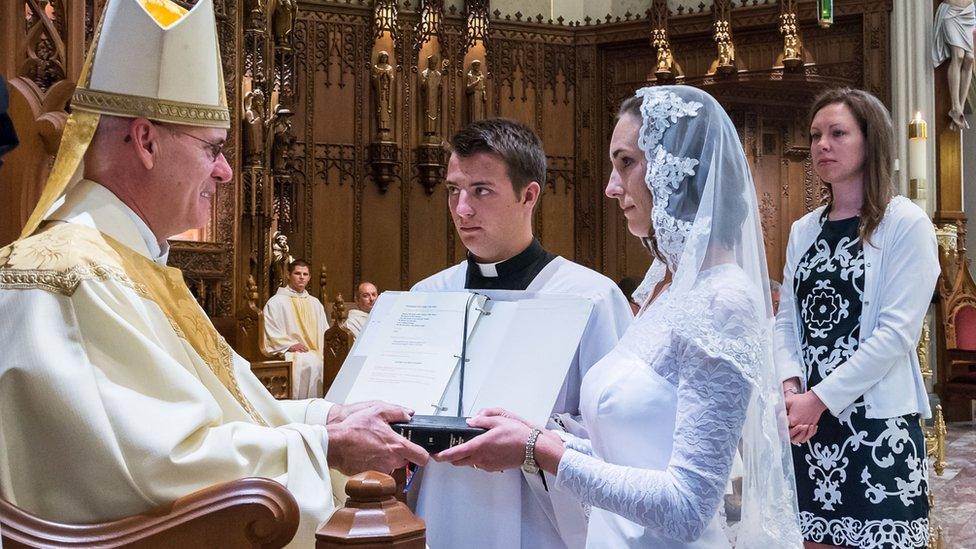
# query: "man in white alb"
294, 326
366, 294
494, 182
117, 393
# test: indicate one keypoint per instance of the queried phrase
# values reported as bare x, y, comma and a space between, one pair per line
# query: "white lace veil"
704, 214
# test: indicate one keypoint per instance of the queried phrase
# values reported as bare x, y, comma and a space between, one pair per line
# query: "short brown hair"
513, 142
297, 263
879, 146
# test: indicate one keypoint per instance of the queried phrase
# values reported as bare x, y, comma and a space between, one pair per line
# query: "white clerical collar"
488, 270
288, 291
91, 204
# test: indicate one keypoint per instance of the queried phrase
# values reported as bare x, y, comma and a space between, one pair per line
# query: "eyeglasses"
215, 148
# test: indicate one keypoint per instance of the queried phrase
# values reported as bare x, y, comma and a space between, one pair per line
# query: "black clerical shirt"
515, 273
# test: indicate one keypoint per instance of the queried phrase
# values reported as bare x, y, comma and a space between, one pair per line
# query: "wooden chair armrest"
250, 512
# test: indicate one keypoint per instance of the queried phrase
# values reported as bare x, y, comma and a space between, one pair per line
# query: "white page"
412, 352
537, 352
520, 354
349, 372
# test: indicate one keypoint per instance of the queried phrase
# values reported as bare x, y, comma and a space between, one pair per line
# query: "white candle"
917, 134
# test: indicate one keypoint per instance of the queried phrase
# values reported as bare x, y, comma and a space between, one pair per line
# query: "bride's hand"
502, 447
804, 411
802, 433
495, 412
791, 387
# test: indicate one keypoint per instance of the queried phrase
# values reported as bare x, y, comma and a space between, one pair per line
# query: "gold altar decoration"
792, 57
664, 66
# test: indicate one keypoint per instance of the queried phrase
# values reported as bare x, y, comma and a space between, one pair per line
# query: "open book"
519, 347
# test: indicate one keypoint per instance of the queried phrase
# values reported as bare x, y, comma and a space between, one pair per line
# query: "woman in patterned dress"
858, 280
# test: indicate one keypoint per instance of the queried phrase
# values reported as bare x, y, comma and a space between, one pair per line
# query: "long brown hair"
879, 146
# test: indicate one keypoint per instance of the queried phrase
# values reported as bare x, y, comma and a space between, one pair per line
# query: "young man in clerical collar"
494, 181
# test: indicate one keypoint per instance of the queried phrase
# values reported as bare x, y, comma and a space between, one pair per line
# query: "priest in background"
494, 181
366, 294
294, 326
117, 394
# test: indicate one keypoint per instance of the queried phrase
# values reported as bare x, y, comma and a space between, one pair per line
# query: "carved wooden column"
792, 57
949, 219
384, 152
372, 518
724, 63
665, 68
475, 61
428, 46
267, 87
42, 48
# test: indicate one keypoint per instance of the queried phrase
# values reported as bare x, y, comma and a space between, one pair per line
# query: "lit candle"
917, 134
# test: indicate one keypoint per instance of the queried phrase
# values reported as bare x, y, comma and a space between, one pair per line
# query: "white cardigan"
901, 266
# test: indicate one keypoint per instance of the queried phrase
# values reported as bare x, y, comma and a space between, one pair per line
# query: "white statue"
955, 21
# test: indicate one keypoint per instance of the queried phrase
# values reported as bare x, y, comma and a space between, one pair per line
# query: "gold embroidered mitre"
148, 59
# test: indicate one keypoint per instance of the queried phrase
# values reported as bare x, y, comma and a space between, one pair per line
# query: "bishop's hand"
364, 441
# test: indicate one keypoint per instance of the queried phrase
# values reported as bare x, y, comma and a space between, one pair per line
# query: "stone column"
912, 90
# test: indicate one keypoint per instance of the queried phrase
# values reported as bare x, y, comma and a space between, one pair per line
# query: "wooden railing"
251, 512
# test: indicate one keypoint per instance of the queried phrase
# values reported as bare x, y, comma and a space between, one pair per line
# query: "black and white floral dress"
861, 482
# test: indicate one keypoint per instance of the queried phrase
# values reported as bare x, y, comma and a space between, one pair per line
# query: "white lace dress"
664, 416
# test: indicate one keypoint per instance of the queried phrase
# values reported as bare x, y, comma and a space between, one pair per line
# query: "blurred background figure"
366, 294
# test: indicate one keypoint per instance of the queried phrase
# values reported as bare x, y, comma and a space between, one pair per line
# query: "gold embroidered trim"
65, 282
167, 289
222, 366
99, 257
227, 358
175, 112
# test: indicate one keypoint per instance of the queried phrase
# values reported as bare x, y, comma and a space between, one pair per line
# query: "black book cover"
437, 433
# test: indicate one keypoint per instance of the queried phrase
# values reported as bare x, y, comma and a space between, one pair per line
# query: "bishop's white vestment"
116, 392
465, 507
291, 317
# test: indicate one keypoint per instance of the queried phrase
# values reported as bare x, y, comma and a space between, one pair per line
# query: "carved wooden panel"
565, 81
275, 375
769, 112
398, 236
42, 46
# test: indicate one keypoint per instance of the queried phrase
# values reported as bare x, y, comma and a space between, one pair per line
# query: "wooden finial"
339, 308
372, 517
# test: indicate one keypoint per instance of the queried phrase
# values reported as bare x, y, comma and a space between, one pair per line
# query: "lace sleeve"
573, 442
681, 500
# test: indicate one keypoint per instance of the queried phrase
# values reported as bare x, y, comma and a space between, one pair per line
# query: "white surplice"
291, 317
107, 408
465, 507
356, 321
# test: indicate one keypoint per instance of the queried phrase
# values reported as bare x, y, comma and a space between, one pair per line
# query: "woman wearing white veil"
693, 377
